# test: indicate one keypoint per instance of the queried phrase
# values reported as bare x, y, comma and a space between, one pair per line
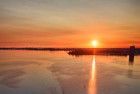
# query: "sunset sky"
69, 23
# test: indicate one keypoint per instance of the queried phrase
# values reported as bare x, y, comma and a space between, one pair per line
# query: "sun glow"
94, 43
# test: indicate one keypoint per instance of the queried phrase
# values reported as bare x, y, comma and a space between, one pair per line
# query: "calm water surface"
44, 72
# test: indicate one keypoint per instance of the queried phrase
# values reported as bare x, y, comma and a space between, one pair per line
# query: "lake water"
45, 72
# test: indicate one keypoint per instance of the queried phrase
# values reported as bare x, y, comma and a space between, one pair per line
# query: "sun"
94, 43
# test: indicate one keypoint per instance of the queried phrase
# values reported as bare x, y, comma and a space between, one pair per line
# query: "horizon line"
65, 47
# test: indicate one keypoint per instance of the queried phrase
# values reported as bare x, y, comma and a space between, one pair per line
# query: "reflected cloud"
11, 73
11, 78
92, 80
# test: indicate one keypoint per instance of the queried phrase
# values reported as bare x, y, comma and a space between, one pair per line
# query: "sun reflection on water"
92, 80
